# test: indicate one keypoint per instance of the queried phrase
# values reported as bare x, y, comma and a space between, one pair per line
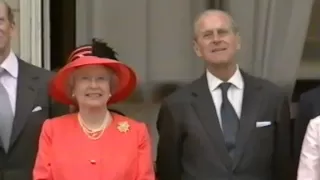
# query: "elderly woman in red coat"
93, 143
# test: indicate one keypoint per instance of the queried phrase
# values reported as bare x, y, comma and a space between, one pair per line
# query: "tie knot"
225, 86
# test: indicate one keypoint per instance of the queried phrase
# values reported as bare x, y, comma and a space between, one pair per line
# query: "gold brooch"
123, 126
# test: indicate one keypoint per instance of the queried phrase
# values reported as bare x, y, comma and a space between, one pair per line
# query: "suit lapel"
205, 109
250, 111
26, 93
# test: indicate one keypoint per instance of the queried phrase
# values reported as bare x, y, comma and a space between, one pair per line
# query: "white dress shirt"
309, 165
9, 78
235, 92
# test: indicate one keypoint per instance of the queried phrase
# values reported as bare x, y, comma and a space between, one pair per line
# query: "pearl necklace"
95, 133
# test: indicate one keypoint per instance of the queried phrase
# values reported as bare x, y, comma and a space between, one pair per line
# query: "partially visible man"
227, 124
309, 108
24, 105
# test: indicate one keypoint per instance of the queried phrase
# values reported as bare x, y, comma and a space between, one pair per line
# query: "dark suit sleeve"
168, 155
57, 109
283, 156
300, 126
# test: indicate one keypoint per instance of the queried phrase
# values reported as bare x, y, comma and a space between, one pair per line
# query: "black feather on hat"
101, 49
97, 48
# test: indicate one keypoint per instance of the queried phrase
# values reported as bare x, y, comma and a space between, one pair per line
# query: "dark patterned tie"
229, 120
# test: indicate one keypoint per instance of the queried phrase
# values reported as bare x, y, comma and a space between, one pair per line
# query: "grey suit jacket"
32, 91
191, 144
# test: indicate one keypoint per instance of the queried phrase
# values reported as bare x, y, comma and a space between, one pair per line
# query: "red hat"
126, 80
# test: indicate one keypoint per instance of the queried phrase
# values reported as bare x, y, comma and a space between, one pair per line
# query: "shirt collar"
214, 82
10, 64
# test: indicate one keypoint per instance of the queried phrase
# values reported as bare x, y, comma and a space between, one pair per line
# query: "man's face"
216, 41
6, 28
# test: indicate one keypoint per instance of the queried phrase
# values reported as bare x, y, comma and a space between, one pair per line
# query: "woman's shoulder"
61, 120
58, 125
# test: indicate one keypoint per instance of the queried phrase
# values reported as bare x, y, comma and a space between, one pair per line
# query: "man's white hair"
209, 12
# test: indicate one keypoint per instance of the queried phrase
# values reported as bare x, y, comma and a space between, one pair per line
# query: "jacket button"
93, 161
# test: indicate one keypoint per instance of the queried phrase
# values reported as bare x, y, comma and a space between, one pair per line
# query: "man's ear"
239, 42
13, 30
196, 48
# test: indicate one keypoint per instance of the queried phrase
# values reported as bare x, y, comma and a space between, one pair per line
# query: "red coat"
66, 153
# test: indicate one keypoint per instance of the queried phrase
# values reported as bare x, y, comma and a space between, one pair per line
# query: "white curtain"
154, 37
273, 35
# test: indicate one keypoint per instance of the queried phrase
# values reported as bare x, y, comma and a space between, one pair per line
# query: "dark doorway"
62, 31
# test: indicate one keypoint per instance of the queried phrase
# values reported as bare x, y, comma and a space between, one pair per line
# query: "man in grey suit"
24, 105
227, 124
